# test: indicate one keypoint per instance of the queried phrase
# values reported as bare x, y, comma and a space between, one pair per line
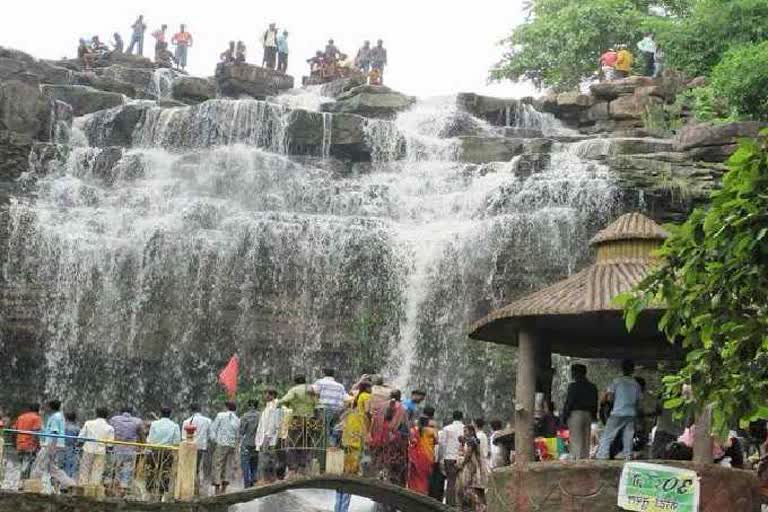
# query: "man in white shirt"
485, 445
225, 432
95, 453
267, 436
332, 395
449, 455
202, 429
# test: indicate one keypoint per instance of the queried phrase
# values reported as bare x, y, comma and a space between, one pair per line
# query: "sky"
434, 47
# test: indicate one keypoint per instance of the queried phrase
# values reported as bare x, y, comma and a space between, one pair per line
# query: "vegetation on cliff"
714, 282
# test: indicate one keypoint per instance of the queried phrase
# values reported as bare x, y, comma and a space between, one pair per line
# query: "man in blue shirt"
625, 394
411, 405
164, 431
53, 448
282, 51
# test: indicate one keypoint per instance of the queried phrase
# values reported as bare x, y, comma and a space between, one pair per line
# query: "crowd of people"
617, 63
331, 63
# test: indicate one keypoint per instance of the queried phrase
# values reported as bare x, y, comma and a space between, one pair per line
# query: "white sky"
435, 47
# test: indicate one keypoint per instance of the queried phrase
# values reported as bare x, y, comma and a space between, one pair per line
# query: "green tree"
714, 283
561, 43
741, 80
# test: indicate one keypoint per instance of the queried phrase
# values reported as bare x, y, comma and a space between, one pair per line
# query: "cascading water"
156, 263
161, 86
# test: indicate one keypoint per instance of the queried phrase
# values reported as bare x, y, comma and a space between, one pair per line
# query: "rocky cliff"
152, 226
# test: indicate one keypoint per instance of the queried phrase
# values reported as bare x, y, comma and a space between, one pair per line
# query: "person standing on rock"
117, 45
579, 411
624, 62
161, 40
363, 58
658, 61
647, 47
137, 36
183, 40
269, 41
282, 52
379, 59
240, 53
608, 64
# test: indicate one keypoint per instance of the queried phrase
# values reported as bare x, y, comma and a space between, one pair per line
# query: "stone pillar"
544, 371
524, 396
186, 468
702, 441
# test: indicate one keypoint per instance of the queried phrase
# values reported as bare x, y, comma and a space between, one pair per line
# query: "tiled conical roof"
632, 226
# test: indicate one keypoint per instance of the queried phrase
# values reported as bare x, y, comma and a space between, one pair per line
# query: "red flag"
228, 376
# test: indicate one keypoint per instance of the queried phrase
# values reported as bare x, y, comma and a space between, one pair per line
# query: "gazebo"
578, 317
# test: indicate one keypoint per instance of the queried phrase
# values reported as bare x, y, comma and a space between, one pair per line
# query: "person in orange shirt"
28, 444
183, 40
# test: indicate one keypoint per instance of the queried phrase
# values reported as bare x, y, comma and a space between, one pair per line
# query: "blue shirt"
164, 431
331, 393
410, 407
55, 425
282, 44
626, 396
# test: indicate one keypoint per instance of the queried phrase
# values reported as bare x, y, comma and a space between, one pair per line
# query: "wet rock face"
239, 80
192, 90
370, 101
714, 143
17, 65
25, 111
83, 99
494, 110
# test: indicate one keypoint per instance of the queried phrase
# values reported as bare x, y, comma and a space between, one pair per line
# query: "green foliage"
741, 80
714, 283
561, 44
697, 43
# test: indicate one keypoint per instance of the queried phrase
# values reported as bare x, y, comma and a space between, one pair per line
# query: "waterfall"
156, 262
161, 86
306, 98
327, 134
526, 116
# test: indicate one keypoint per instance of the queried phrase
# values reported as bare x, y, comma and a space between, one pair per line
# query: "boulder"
610, 90
140, 79
17, 65
338, 87
496, 111
192, 90
25, 111
523, 133
705, 134
601, 148
237, 80
712, 153
115, 126
631, 107
83, 99
573, 101
305, 133
348, 137
14, 158
121, 59
370, 101
103, 83
597, 112
480, 150
546, 103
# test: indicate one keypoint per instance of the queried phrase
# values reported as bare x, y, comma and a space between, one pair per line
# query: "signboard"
655, 488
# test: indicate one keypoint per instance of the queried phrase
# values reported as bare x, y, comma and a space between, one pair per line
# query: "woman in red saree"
388, 441
421, 456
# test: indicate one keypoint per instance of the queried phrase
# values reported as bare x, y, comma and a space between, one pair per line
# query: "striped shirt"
331, 393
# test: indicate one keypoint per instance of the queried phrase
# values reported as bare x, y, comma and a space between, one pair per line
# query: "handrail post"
186, 467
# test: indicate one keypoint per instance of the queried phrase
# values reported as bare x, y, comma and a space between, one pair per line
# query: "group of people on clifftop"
618, 62
332, 64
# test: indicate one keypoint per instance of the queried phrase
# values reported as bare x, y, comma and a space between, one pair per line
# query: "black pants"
282, 61
270, 52
650, 63
437, 483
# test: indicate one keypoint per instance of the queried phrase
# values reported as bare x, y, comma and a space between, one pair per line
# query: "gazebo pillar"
525, 396
544, 372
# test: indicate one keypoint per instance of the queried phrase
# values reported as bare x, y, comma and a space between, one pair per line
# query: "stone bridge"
376, 490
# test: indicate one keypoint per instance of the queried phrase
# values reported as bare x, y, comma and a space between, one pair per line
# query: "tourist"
269, 41
379, 59
117, 44
389, 440
129, 429
608, 64
625, 393
72, 431
624, 62
282, 52
201, 438
27, 445
161, 41
316, 64
658, 60
355, 430
240, 53
137, 36
421, 456
249, 455
267, 436
98, 47
374, 77
363, 58
647, 47
48, 456
482, 437
579, 411
380, 396
331, 53
162, 432
449, 454
228, 55
183, 41
225, 431
331, 397
412, 404
499, 457
302, 430
472, 476
85, 54
94, 456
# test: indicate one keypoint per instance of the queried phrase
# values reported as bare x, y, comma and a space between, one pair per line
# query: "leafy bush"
741, 80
